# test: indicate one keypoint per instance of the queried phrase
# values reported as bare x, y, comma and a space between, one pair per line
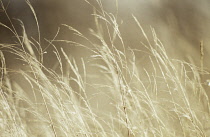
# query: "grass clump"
115, 91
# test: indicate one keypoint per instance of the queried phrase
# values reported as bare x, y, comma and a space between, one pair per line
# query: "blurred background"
180, 24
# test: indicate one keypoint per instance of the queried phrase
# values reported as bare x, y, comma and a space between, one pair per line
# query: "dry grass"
109, 93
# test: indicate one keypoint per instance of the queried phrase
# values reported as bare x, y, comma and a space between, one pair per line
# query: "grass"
115, 91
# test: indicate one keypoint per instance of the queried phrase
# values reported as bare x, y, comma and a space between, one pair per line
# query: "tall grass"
112, 92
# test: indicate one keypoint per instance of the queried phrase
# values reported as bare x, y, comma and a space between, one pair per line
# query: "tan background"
180, 24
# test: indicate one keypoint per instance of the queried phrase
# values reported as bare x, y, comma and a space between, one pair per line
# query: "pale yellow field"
104, 68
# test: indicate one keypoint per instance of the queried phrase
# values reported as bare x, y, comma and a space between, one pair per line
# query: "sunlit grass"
112, 92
